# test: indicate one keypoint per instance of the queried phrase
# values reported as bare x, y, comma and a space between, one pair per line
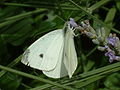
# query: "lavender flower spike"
73, 23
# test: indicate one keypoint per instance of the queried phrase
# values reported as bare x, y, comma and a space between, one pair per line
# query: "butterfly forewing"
34, 55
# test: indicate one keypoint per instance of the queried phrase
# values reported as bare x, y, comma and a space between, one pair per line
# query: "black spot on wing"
41, 55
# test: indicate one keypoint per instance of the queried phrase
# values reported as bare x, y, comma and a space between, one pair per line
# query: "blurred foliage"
24, 21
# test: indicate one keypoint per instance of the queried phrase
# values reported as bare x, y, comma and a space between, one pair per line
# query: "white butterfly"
53, 53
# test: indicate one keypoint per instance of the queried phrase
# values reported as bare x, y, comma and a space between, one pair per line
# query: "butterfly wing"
70, 56
52, 55
60, 69
35, 55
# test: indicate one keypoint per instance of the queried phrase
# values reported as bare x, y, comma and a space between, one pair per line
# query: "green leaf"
118, 4
18, 33
112, 81
109, 20
10, 81
3, 48
89, 65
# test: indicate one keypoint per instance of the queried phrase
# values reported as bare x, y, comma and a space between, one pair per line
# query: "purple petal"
73, 23
112, 56
113, 40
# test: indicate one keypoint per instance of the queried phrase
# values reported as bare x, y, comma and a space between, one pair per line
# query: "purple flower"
112, 56
73, 23
113, 40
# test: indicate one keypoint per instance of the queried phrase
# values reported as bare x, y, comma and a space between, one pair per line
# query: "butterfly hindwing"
60, 69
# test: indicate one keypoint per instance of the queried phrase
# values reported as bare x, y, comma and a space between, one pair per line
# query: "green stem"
87, 77
12, 19
34, 77
13, 63
98, 4
91, 51
47, 6
101, 75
